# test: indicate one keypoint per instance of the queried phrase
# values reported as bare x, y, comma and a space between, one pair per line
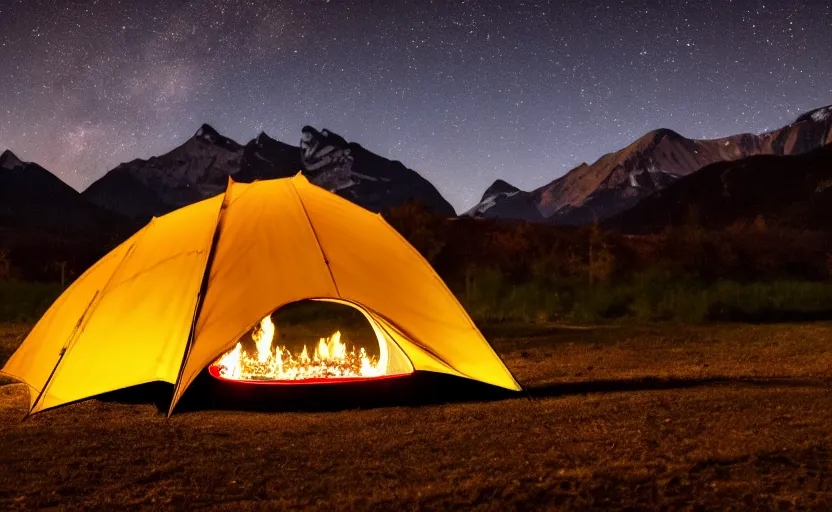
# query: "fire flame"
263, 339
330, 360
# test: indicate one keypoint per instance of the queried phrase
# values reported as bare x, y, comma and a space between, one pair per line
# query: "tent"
181, 291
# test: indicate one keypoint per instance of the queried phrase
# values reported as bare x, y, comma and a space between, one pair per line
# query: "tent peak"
300, 177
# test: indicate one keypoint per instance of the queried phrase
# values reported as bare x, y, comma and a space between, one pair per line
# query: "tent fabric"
39, 354
179, 293
266, 257
374, 266
395, 361
139, 302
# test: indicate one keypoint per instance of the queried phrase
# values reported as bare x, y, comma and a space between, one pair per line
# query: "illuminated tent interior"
347, 345
199, 289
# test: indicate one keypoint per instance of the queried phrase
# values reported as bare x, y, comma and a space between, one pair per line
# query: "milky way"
462, 91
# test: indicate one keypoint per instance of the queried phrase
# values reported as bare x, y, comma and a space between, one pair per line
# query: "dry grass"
672, 417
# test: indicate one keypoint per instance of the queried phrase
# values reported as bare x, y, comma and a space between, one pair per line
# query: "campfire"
330, 359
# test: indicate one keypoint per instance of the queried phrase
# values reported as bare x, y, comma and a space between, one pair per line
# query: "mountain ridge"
777, 191
200, 167
33, 198
618, 180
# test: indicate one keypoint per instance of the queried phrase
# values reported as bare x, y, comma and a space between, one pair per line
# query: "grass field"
643, 417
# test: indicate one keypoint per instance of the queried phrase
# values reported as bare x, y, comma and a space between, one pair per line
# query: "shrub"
655, 295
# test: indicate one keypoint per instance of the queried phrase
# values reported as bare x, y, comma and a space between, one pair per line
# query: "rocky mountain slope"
363, 177
618, 181
793, 191
200, 168
504, 200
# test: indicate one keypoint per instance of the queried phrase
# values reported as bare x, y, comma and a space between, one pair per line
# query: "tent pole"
318, 240
444, 286
61, 355
81, 321
203, 287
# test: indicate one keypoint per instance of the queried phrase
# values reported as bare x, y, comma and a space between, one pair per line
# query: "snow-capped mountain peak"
204, 132
361, 176
499, 187
508, 200
207, 132
619, 180
822, 114
818, 115
200, 167
327, 157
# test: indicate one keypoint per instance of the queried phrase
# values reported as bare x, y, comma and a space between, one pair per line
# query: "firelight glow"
331, 359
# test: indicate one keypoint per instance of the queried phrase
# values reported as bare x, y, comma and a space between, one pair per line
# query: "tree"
600, 261
60, 267
419, 226
5, 264
829, 264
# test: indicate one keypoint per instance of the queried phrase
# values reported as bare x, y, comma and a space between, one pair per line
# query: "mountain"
200, 168
363, 177
504, 200
196, 170
48, 231
33, 199
792, 191
266, 158
617, 181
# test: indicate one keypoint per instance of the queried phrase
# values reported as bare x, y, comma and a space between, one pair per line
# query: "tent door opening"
319, 341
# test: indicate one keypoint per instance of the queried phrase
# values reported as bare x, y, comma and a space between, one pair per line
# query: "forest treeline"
515, 271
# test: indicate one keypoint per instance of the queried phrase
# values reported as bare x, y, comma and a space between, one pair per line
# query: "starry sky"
463, 91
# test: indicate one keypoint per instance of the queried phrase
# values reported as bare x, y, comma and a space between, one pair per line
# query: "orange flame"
331, 360
263, 339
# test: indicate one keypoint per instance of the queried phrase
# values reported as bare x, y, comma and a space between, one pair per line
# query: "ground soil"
648, 417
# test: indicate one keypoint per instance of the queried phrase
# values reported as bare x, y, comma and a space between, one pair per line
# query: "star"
462, 92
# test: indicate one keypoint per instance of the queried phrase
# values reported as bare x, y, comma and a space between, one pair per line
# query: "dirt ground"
650, 417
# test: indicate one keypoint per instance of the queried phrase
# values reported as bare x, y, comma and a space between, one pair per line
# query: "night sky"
462, 91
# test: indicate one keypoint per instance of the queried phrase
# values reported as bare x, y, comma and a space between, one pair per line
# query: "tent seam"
157, 265
405, 334
317, 240
200, 296
409, 337
84, 319
64, 294
212, 250
444, 286
430, 269
368, 314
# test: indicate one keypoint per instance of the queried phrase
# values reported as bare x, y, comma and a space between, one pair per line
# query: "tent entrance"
312, 342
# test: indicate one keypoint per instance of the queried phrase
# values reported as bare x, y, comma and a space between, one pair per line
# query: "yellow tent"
179, 293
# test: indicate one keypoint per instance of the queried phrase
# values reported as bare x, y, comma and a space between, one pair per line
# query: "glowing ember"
331, 360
